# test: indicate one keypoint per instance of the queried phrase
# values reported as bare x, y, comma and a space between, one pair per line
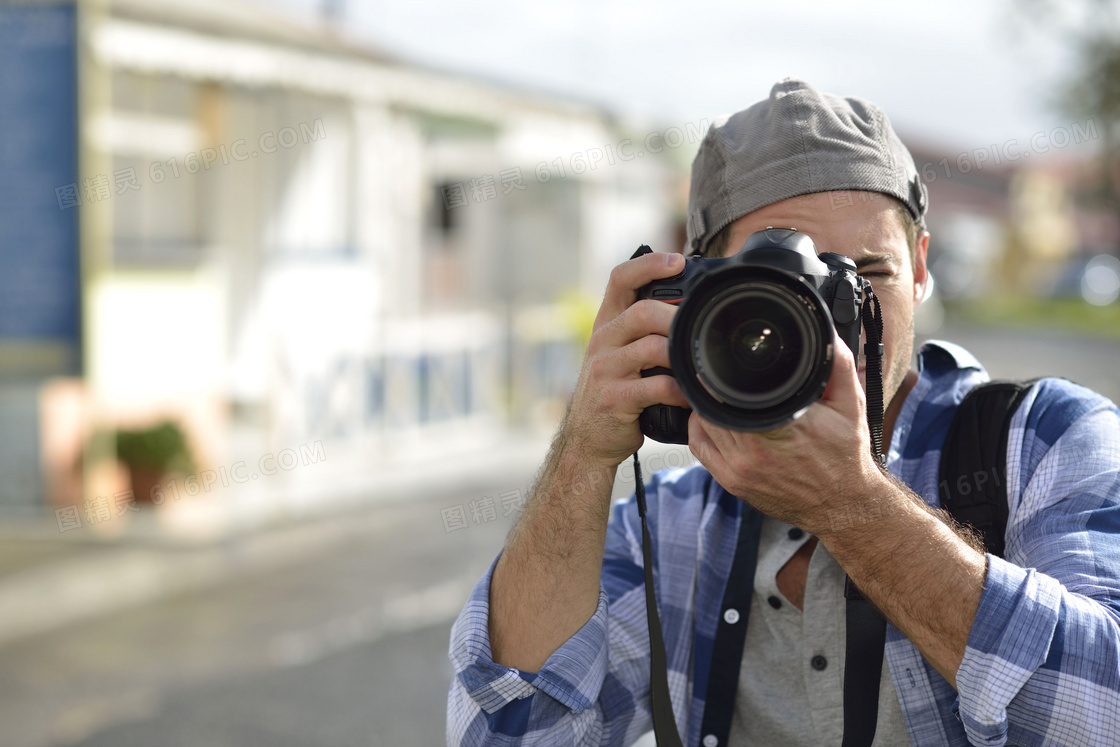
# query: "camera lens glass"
755, 345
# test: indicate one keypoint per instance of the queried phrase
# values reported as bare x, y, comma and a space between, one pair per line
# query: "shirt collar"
936, 359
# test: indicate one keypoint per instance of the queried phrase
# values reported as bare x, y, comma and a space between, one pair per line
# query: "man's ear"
921, 272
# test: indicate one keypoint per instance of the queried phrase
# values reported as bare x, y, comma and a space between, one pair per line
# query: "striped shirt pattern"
1042, 666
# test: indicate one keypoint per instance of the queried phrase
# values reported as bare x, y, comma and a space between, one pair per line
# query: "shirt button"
796, 534
730, 617
711, 740
818, 663
775, 602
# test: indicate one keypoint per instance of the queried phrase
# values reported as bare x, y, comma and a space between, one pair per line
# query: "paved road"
1094, 363
343, 649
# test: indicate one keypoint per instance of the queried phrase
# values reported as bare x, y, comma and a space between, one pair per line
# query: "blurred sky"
956, 72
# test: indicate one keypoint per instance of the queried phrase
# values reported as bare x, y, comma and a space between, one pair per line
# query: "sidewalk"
50, 579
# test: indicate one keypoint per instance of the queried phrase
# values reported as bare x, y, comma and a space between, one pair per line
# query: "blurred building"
1014, 227
288, 244
969, 211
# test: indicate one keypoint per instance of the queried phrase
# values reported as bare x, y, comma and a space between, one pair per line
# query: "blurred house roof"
249, 20
324, 39
984, 189
989, 189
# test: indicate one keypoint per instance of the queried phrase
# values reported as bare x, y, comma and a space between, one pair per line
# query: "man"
553, 647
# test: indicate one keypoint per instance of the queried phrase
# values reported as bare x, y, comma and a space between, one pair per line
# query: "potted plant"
151, 453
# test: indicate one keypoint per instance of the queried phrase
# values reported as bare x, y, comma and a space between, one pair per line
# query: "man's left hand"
813, 472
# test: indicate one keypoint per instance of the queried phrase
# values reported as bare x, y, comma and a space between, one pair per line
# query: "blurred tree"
1090, 32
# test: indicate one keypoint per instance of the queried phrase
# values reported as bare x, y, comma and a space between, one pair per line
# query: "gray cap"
797, 142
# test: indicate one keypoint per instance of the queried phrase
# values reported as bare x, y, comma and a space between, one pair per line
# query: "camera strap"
865, 627
873, 355
664, 723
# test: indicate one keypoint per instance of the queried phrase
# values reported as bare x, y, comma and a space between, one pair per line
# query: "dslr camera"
752, 343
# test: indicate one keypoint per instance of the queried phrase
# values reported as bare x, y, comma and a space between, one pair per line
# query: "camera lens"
755, 345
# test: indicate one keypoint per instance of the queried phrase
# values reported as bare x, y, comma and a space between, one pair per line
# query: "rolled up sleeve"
588, 692
1042, 665
572, 675
1010, 639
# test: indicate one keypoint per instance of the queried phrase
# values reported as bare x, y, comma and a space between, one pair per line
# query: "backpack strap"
972, 478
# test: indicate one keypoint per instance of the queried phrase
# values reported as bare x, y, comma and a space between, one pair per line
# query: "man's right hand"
629, 336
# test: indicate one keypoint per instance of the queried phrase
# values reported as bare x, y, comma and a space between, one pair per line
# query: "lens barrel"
752, 347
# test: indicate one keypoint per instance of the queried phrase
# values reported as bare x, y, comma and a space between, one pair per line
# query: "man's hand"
629, 336
808, 472
817, 473
545, 586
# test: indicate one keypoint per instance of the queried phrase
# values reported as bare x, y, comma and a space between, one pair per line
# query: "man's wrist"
880, 521
866, 504
583, 474
575, 477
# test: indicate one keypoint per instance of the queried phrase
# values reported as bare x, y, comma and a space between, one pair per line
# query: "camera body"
752, 343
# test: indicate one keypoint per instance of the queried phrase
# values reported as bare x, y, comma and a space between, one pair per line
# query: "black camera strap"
873, 355
866, 627
664, 723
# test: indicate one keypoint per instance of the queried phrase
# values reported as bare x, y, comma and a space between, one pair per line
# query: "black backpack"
972, 477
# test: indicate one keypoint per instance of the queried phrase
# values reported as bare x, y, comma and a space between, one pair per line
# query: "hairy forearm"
923, 574
545, 586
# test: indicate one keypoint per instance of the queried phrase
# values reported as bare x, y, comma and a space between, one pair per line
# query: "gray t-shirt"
791, 685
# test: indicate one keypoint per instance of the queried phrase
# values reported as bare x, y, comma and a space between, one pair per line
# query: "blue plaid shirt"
1042, 666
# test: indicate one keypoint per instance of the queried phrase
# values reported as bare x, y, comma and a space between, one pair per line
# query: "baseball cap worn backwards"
797, 142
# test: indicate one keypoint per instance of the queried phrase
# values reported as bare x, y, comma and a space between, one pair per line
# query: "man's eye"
875, 274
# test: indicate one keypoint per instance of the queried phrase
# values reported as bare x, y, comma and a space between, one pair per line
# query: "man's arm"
546, 583
548, 591
921, 573
1031, 643
594, 690
817, 473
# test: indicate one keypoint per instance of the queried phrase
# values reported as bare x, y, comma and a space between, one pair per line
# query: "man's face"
869, 232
